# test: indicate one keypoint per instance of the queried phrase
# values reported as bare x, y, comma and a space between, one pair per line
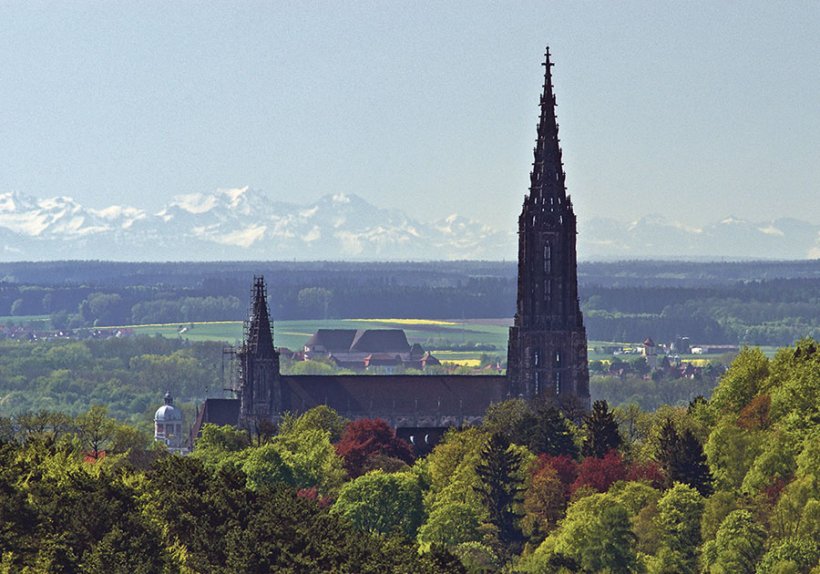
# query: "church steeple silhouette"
547, 353
259, 389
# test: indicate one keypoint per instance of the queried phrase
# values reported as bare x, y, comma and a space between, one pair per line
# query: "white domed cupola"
168, 424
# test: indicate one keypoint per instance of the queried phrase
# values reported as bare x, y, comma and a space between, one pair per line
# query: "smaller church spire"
259, 336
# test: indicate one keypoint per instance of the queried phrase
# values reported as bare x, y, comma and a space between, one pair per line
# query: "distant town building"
680, 346
367, 348
650, 351
714, 349
547, 353
168, 426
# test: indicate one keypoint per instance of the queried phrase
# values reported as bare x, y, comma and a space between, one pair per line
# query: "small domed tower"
168, 425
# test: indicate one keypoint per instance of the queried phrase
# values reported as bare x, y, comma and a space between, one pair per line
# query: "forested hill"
728, 485
190, 274
763, 302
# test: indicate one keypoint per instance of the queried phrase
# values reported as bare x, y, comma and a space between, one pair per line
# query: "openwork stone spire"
547, 354
547, 176
260, 336
259, 389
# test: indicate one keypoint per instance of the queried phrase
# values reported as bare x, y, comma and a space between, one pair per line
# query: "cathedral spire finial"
547, 178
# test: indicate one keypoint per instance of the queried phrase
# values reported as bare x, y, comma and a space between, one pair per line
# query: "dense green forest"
725, 485
758, 303
129, 375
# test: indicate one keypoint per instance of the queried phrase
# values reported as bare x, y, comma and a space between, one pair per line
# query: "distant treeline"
764, 303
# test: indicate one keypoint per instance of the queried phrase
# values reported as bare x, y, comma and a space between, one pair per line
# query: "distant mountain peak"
244, 223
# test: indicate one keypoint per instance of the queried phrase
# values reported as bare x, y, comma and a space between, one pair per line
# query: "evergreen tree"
689, 464
601, 430
500, 487
551, 434
682, 457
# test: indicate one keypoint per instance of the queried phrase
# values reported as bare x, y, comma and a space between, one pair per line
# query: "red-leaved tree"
366, 438
566, 468
600, 473
649, 471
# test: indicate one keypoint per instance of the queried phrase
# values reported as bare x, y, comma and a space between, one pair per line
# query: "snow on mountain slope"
656, 237
240, 223
244, 223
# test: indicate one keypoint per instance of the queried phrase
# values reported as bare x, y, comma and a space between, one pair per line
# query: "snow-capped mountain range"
244, 223
657, 237
237, 224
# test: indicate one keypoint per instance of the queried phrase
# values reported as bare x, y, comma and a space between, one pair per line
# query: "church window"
536, 356
537, 383
557, 379
557, 357
547, 257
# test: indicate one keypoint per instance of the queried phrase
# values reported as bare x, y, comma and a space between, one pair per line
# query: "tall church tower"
259, 389
547, 353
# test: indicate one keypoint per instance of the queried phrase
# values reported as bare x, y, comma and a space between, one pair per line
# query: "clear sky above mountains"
695, 110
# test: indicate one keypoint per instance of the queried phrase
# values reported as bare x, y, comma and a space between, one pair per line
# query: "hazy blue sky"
695, 110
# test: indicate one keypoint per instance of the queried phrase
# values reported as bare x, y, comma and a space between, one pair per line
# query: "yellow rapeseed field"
463, 362
405, 321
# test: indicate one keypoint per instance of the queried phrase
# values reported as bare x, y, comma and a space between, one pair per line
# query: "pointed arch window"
547, 257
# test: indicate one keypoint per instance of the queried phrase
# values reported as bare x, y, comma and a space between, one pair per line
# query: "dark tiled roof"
387, 395
380, 341
219, 412
333, 340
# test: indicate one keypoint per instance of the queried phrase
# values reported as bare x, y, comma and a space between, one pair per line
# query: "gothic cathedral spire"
547, 353
547, 176
259, 389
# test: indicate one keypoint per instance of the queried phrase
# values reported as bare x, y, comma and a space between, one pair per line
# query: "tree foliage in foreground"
748, 500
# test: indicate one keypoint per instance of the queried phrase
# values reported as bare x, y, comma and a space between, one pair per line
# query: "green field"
430, 334
294, 334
